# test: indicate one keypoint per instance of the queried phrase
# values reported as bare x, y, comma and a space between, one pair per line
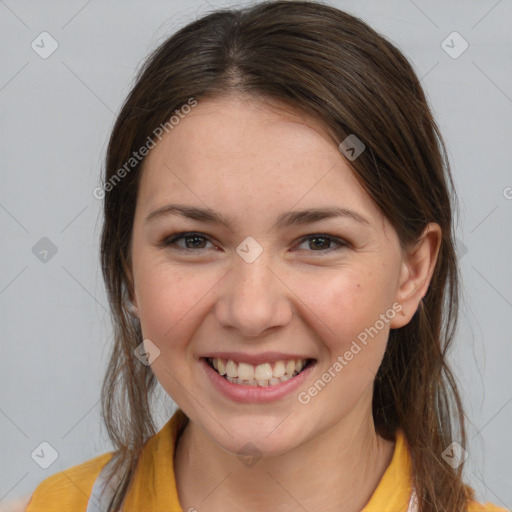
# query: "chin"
247, 436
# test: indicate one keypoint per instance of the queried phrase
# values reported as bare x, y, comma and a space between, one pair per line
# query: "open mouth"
266, 374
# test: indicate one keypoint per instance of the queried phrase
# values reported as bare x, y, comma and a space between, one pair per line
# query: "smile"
263, 375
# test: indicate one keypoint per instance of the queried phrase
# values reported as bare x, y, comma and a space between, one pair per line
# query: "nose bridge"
253, 299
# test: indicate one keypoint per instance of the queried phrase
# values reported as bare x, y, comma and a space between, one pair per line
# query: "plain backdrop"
56, 115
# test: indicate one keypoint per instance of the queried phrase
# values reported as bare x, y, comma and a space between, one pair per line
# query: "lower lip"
251, 394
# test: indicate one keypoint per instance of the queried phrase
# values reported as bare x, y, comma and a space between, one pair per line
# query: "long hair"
327, 64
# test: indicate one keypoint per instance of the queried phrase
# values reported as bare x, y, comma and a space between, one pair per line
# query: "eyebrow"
285, 219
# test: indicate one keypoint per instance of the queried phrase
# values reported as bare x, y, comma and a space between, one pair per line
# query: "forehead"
237, 151
221, 128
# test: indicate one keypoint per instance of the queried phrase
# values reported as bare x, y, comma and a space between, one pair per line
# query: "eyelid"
175, 237
342, 243
179, 235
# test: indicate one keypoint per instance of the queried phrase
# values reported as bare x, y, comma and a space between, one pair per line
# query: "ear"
132, 305
133, 308
130, 290
416, 272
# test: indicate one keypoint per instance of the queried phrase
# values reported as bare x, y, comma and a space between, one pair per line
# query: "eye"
194, 240
320, 241
197, 240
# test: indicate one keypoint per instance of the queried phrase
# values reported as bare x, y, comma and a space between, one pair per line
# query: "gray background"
56, 117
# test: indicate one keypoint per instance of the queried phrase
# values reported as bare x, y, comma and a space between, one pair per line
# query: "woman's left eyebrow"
285, 219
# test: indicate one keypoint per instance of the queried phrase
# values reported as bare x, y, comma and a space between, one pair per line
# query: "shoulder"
69, 489
473, 506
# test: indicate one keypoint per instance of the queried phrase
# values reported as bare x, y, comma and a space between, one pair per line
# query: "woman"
277, 249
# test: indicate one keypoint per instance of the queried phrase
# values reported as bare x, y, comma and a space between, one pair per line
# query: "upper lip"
262, 357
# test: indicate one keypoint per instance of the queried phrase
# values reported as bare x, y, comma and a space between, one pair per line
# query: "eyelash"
172, 239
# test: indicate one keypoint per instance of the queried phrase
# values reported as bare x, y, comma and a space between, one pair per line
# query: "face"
262, 293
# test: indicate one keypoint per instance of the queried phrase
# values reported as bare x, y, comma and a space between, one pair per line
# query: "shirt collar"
154, 483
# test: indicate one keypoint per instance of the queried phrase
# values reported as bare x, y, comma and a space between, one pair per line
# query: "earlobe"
416, 272
133, 309
131, 301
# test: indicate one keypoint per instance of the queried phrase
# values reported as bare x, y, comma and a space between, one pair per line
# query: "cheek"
170, 302
344, 308
167, 297
348, 298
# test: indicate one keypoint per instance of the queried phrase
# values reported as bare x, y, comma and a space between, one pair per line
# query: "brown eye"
322, 243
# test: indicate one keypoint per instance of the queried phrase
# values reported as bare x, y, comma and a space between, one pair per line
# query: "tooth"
245, 371
261, 375
221, 367
263, 372
279, 370
231, 369
290, 367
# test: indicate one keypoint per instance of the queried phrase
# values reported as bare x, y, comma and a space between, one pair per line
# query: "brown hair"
332, 66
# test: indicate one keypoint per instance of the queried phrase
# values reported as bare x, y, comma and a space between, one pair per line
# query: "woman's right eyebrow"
293, 217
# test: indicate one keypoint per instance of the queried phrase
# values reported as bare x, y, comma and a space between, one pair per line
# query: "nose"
253, 298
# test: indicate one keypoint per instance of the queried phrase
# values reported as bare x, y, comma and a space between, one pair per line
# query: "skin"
251, 162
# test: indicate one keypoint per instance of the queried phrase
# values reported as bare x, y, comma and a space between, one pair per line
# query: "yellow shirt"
154, 485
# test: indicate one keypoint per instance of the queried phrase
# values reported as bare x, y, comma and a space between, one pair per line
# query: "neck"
338, 471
